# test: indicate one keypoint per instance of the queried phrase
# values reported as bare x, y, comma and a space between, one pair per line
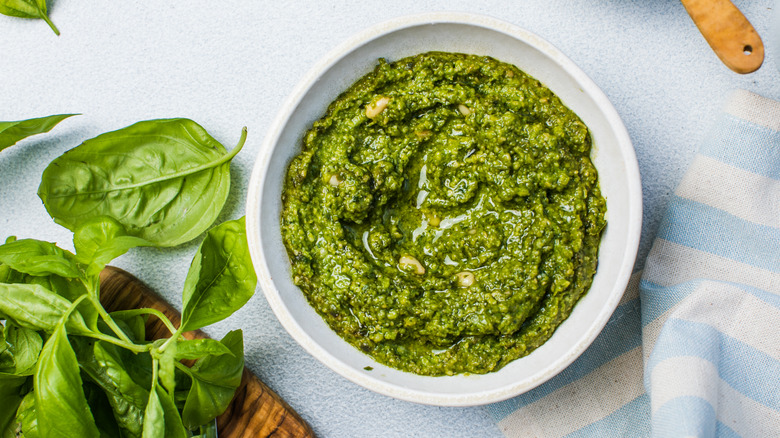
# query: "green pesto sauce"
452, 231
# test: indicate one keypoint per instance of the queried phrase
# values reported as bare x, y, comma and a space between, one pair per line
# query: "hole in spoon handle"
728, 32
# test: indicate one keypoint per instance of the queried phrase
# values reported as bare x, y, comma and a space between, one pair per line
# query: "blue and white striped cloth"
693, 350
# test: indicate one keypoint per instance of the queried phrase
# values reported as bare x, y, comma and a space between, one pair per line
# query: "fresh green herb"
173, 424
220, 280
138, 379
27, 9
195, 348
110, 373
12, 132
165, 181
26, 417
101, 411
154, 417
60, 403
24, 346
214, 379
10, 397
38, 258
102, 239
95, 374
36, 308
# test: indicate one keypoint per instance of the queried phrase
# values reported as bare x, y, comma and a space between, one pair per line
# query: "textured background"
232, 63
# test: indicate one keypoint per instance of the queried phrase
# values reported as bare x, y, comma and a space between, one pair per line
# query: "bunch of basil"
70, 368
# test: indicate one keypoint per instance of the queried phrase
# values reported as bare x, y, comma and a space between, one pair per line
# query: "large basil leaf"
36, 257
27, 9
165, 180
34, 307
221, 278
214, 382
59, 398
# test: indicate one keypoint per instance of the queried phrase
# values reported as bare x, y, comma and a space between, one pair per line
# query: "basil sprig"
70, 368
27, 9
141, 380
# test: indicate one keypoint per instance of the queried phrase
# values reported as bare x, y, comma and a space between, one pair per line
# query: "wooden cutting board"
256, 411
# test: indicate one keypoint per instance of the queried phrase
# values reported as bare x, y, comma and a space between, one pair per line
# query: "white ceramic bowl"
612, 154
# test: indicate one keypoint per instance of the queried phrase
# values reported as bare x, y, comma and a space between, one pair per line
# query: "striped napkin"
694, 347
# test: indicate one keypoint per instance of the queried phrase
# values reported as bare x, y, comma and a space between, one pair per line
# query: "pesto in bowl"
444, 216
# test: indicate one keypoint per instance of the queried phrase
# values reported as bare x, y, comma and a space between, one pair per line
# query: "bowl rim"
260, 171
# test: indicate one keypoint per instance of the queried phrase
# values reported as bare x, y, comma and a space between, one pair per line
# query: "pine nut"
375, 108
409, 262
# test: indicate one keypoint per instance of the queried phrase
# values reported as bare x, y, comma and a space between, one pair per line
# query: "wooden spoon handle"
728, 32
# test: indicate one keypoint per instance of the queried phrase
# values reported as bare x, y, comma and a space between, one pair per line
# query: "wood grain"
256, 411
728, 32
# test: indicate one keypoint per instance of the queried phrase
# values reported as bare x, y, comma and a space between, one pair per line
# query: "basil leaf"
221, 278
173, 425
10, 398
164, 180
70, 289
126, 397
36, 257
27, 9
8, 275
34, 307
154, 417
12, 132
59, 399
214, 382
25, 346
161, 418
101, 239
26, 417
196, 348
112, 360
101, 411
48, 266
134, 325
3, 344
166, 360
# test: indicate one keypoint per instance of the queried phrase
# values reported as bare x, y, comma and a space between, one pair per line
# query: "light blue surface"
233, 63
